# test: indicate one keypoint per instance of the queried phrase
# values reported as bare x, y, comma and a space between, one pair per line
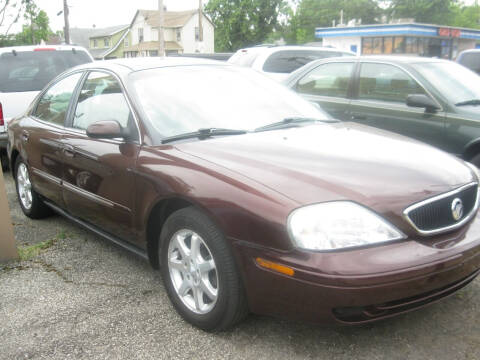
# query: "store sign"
447, 32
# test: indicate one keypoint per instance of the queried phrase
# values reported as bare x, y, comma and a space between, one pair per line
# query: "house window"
197, 33
95, 43
106, 42
179, 35
140, 35
125, 42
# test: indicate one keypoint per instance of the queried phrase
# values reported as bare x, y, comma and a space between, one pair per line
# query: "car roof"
470, 51
143, 63
272, 49
401, 59
40, 47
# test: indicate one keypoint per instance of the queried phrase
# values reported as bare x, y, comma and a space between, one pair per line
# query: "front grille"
435, 215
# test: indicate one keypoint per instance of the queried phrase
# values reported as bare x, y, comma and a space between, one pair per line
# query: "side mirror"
422, 101
107, 129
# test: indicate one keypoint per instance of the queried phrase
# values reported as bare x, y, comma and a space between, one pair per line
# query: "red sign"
447, 32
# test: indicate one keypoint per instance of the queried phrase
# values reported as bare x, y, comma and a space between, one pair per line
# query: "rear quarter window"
32, 70
290, 60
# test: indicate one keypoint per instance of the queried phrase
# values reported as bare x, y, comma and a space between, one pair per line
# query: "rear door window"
383, 82
287, 61
327, 80
53, 104
33, 70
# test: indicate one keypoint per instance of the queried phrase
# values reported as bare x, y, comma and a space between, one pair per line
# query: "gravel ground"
85, 298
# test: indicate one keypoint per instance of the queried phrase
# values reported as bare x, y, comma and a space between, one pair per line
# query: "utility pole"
161, 40
66, 30
200, 27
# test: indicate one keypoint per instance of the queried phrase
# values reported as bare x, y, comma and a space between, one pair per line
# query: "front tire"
30, 202
199, 272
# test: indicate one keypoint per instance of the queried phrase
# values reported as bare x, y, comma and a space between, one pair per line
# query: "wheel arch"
471, 149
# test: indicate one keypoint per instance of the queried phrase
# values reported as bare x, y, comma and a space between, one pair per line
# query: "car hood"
318, 163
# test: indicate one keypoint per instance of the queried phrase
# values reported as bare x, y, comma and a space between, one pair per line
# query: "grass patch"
29, 252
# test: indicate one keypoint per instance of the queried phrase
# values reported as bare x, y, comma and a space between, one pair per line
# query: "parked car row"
24, 72
252, 199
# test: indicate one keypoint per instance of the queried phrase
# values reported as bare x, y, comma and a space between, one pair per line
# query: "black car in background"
432, 100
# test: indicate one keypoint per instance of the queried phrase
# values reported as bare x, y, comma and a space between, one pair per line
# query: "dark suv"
435, 101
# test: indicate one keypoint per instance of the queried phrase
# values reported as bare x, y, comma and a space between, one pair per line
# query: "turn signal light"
275, 267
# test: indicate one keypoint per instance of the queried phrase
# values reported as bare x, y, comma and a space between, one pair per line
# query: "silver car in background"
279, 61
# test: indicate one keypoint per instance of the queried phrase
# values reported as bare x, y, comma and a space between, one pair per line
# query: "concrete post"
8, 250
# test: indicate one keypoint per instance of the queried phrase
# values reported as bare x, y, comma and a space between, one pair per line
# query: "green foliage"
37, 30
466, 16
423, 11
321, 13
241, 23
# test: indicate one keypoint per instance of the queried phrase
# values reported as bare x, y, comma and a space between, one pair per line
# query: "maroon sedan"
246, 196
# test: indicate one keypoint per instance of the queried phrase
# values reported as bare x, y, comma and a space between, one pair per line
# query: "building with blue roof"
401, 38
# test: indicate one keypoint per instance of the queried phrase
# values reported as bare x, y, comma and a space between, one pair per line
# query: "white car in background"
24, 71
279, 61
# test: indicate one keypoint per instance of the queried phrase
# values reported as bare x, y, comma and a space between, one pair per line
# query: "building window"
106, 42
399, 45
197, 33
179, 35
140, 35
125, 42
95, 43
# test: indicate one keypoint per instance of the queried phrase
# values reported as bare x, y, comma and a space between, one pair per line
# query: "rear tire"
31, 203
199, 272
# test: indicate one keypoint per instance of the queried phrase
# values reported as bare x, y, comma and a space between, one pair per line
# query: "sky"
102, 13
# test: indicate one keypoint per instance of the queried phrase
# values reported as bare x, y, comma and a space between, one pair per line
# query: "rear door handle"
69, 151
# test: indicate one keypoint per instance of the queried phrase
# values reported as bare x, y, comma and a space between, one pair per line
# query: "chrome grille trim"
439, 197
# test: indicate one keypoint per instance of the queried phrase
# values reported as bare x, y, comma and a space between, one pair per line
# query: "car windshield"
32, 70
457, 83
183, 99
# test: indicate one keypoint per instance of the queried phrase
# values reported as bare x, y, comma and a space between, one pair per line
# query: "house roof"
172, 19
108, 31
81, 36
153, 45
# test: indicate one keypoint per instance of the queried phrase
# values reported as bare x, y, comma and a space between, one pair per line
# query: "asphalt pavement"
82, 297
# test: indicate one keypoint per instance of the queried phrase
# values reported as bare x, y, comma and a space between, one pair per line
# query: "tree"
321, 13
467, 16
10, 13
241, 23
424, 11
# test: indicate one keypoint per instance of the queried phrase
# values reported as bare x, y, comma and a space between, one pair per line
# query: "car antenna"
74, 50
14, 52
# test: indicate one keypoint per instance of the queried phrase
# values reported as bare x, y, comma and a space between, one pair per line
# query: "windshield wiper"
469, 102
292, 122
204, 134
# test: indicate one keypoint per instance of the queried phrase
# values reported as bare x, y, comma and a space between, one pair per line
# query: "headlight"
339, 225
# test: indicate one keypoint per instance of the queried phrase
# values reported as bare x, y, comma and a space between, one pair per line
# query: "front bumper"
363, 285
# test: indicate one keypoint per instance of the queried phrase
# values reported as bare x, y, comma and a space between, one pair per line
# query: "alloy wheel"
24, 186
193, 271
